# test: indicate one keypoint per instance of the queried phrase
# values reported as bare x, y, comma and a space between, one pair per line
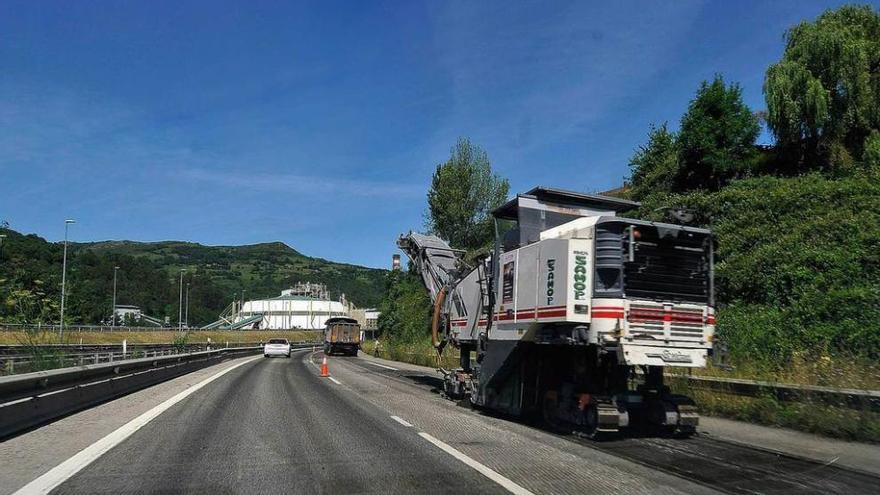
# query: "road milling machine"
576, 313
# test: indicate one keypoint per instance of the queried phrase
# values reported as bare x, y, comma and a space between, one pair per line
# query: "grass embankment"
819, 418
158, 337
837, 422
837, 372
419, 353
849, 423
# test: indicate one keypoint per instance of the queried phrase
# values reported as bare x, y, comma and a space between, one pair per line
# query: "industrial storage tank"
305, 306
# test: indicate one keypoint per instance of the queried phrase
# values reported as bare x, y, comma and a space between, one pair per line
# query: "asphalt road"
275, 426
726, 466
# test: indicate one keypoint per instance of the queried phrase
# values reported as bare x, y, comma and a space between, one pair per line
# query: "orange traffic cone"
324, 370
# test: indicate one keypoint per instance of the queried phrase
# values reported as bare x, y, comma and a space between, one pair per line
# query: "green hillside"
30, 277
260, 269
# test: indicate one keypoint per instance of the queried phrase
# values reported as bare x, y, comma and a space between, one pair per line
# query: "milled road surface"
275, 426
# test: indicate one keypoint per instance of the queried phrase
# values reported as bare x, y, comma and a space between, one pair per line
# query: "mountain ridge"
149, 277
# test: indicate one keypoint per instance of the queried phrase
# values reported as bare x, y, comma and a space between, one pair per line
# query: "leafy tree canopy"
655, 164
463, 193
717, 137
405, 311
823, 97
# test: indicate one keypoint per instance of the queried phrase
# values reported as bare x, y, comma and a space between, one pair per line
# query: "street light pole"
186, 313
113, 314
180, 304
64, 277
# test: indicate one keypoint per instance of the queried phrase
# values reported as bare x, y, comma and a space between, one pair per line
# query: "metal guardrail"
787, 392
19, 327
23, 358
31, 399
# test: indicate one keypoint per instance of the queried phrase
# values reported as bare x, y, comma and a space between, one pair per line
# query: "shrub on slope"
798, 263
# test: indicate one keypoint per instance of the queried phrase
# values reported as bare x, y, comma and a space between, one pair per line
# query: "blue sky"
319, 123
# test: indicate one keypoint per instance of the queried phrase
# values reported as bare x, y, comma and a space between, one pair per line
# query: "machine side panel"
504, 326
526, 285
581, 264
533, 290
466, 313
553, 288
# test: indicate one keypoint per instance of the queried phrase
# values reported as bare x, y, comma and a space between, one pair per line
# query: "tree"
716, 141
825, 92
405, 310
871, 155
463, 193
654, 165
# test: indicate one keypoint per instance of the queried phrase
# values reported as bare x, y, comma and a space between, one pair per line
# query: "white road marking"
493, 475
62, 472
402, 421
312, 359
334, 380
383, 366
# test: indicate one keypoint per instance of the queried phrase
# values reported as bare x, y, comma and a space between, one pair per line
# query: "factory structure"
305, 306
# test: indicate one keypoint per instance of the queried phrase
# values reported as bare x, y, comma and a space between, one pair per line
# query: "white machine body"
550, 282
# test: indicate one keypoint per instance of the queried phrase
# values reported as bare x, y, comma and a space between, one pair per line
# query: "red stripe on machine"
552, 314
608, 314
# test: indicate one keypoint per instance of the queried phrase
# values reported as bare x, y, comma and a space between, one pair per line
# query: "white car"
277, 347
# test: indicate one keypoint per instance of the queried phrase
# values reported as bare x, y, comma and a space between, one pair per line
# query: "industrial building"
368, 318
305, 306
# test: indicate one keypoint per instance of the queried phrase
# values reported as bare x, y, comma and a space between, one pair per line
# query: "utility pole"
186, 313
64, 277
180, 304
113, 313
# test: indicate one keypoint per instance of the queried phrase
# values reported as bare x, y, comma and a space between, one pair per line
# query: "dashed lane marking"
493, 475
62, 472
334, 380
402, 421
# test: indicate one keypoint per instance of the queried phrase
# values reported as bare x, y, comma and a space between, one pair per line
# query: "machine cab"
543, 208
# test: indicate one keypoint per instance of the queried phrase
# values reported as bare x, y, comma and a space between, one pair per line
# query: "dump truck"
576, 313
342, 335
